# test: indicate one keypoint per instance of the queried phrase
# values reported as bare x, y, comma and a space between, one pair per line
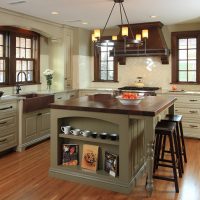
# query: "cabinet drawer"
188, 99
6, 108
60, 96
8, 141
7, 122
191, 129
190, 112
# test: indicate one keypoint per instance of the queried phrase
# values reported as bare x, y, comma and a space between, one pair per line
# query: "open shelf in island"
89, 139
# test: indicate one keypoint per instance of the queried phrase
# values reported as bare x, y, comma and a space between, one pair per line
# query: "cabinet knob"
1, 123
4, 140
193, 126
193, 111
6, 108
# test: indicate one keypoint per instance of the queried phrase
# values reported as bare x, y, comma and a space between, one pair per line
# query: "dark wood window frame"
12, 33
175, 36
5, 57
97, 70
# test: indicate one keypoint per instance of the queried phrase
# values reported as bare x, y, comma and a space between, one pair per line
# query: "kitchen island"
134, 125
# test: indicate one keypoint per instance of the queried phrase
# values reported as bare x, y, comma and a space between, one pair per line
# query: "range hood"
155, 44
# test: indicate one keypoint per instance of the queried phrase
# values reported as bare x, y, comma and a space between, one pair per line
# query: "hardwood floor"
24, 176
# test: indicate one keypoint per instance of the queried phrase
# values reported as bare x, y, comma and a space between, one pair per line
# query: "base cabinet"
8, 125
35, 127
189, 107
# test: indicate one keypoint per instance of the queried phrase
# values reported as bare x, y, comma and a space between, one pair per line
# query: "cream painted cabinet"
35, 127
8, 125
62, 96
189, 106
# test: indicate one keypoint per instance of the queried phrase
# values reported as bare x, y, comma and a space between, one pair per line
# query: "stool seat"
165, 127
174, 118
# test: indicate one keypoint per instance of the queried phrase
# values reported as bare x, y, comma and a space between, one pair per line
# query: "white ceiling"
95, 12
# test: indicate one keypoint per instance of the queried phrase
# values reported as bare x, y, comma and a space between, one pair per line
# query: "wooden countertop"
149, 106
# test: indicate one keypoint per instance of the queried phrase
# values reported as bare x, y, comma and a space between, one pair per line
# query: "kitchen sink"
34, 101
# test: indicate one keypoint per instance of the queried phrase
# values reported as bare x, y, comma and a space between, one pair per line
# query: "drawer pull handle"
39, 114
4, 140
193, 126
59, 98
6, 108
193, 111
176, 110
1, 123
193, 100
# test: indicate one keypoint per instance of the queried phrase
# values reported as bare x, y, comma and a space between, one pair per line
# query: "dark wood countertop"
149, 106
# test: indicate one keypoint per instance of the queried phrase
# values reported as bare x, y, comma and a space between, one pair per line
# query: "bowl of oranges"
129, 98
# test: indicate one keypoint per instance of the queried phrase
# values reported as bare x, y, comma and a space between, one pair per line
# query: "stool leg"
183, 142
163, 147
179, 148
157, 152
173, 163
177, 153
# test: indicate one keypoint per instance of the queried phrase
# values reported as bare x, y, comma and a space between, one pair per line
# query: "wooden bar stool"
178, 120
166, 129
180, 138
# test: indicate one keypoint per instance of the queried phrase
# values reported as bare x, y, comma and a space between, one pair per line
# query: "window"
105, 66
22, 64
185, 57
24, 59
3, 58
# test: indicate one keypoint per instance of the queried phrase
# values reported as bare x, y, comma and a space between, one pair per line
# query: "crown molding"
36, 19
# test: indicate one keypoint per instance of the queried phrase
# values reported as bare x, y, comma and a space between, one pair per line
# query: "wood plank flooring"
24, 176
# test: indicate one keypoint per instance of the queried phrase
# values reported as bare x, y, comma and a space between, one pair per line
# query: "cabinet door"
68, 59
43, 123
30, 127
61, 96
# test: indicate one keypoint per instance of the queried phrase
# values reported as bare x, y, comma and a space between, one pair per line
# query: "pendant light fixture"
126, 38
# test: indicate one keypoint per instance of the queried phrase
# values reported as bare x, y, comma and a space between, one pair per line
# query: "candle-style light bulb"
93, 38
138, 37
114, 37
97, 33
124, 31
145, 33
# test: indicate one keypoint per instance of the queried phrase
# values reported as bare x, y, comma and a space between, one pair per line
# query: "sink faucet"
18, 88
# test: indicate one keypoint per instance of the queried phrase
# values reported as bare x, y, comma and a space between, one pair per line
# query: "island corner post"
102, 113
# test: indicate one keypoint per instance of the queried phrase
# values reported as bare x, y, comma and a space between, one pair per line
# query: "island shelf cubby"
92, 124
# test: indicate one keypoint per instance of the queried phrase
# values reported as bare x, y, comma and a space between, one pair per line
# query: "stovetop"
139, 88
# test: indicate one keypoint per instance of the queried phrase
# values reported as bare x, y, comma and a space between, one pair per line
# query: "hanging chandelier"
125, 40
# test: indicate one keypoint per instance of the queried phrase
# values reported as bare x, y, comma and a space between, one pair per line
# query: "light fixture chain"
127, 20
108, 19
120, 6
